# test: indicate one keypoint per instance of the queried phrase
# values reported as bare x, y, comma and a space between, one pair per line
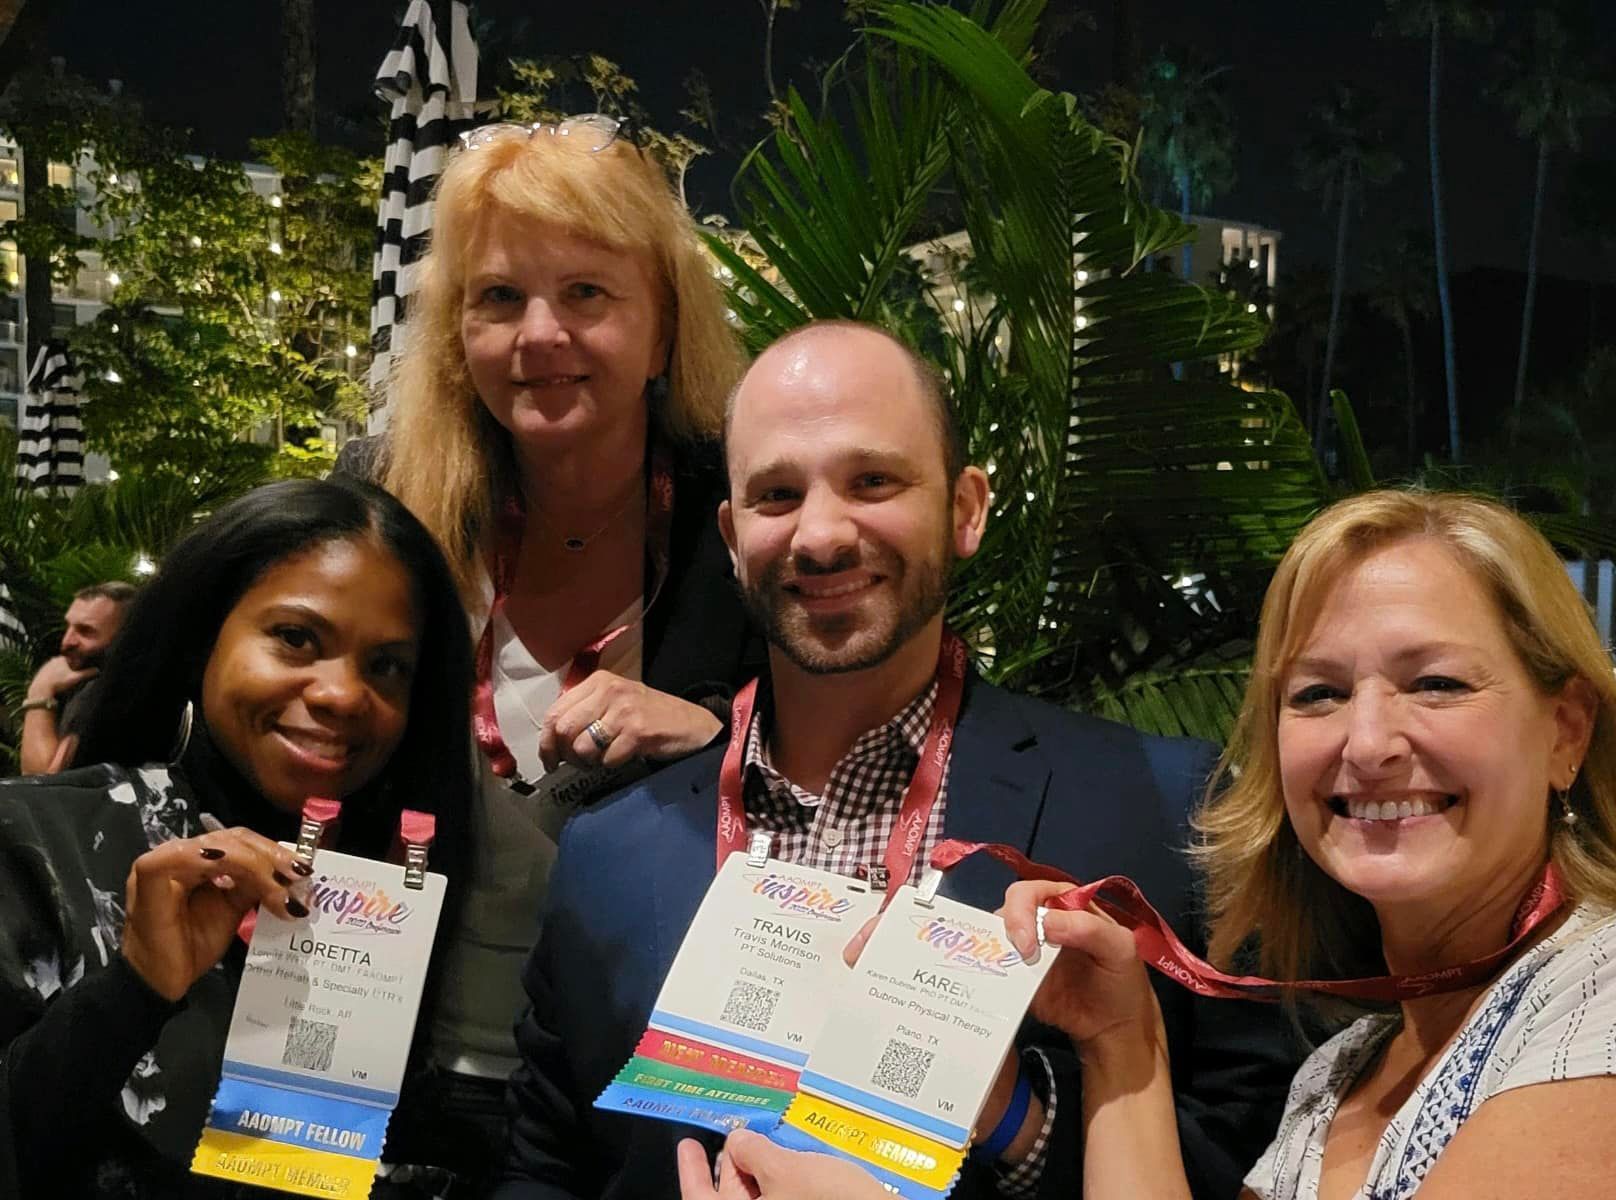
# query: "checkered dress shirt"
848, 828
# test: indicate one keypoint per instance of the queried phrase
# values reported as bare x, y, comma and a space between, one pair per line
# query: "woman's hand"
185, 898
638, 721
1097, 988
754, 1168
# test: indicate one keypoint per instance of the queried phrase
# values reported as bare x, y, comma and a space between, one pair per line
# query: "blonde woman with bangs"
555, 415
1427, 741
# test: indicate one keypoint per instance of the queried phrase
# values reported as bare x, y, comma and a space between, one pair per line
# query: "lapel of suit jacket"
996, 783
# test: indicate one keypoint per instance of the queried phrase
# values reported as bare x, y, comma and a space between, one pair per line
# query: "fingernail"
302, 868
212, 853
284, 880
297, 908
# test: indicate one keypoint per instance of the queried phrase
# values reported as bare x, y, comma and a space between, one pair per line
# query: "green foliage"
1135, 518
226, 339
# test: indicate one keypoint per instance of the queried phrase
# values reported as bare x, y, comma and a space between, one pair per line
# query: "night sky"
212, 66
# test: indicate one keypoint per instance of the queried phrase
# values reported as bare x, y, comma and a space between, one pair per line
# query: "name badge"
321, 1031
912, 1043
742, 1006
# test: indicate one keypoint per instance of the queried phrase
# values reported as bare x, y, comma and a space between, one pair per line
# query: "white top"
1551, 1016
514, 848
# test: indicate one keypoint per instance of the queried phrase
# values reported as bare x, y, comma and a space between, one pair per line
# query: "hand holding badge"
323, 1020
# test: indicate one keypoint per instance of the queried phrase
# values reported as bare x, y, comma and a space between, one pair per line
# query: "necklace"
578, 544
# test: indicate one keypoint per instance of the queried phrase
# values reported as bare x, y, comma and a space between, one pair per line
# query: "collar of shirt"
875, 770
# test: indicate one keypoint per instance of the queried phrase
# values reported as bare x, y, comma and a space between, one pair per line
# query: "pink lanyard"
1159, 947
511, 524
919, 798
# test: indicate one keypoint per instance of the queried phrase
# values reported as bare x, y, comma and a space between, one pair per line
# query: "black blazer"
1089, 796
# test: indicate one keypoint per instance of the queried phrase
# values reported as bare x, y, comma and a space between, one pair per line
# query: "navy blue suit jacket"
1089, 796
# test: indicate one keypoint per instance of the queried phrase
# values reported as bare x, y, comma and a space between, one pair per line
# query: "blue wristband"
990, 1148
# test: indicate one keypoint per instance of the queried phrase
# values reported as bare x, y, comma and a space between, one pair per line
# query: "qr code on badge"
750, 1006
903, 1068
310, 1045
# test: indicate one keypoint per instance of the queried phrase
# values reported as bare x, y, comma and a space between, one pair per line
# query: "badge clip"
415, 833
317, 814
757, 852
929, 883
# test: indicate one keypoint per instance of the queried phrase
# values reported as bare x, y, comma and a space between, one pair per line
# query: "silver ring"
597, 734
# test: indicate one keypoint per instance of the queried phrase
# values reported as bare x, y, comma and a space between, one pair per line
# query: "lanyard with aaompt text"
511, 524
919, 798
1159, 947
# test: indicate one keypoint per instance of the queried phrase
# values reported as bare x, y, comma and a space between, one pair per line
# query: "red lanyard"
1159, 946
919, 798
510, 526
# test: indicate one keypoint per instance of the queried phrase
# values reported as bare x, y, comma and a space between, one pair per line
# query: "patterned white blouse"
1551, 1016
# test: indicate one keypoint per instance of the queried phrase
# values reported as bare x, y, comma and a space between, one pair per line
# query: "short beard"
925, 594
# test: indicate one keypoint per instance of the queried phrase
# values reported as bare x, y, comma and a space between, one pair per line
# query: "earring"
1568, 815
182, 734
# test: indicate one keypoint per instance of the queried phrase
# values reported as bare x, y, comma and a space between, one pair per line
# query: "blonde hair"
445, 457
1260, 883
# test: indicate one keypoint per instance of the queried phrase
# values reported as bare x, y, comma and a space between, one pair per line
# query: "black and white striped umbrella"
430, 77
50, 436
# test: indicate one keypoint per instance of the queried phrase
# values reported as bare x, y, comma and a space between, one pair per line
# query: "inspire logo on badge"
963, 944
801, 897
356, 905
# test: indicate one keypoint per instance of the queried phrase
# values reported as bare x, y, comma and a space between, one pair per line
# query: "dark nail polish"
284, 880
302, 868
297, 908
212, 854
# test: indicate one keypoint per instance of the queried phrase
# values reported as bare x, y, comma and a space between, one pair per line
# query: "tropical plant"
1343, 156
1188, 132
1552, 87
1432, 20
1135, 517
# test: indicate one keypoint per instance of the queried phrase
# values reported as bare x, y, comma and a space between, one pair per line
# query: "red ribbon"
919, 798
1160, 948
510, 526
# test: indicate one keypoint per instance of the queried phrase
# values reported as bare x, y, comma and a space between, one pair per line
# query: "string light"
144, 565
275, 200
959, 306
114, 278
274, 247
350, 350
114, 377
1082, 276
112, 476
196, 242
275, 295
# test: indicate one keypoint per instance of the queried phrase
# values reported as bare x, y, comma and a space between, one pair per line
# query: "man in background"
58, 696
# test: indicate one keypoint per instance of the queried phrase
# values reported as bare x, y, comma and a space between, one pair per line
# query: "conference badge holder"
914, 1039
743, 1003
324, 1018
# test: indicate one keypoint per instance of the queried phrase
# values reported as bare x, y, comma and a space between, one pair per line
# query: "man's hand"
55, 677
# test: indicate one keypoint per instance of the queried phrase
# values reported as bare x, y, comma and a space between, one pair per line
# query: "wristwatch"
48, 703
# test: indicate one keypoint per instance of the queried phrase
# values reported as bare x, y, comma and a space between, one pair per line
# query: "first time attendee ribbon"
1160, 948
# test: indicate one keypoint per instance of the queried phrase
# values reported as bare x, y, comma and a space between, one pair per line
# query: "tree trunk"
297, 65
1337, 288
37, 305
1531, 289
1186, 254
1439, 235
768, 49
1403, 327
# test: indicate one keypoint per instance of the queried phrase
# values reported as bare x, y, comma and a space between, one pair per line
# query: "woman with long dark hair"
306, 640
